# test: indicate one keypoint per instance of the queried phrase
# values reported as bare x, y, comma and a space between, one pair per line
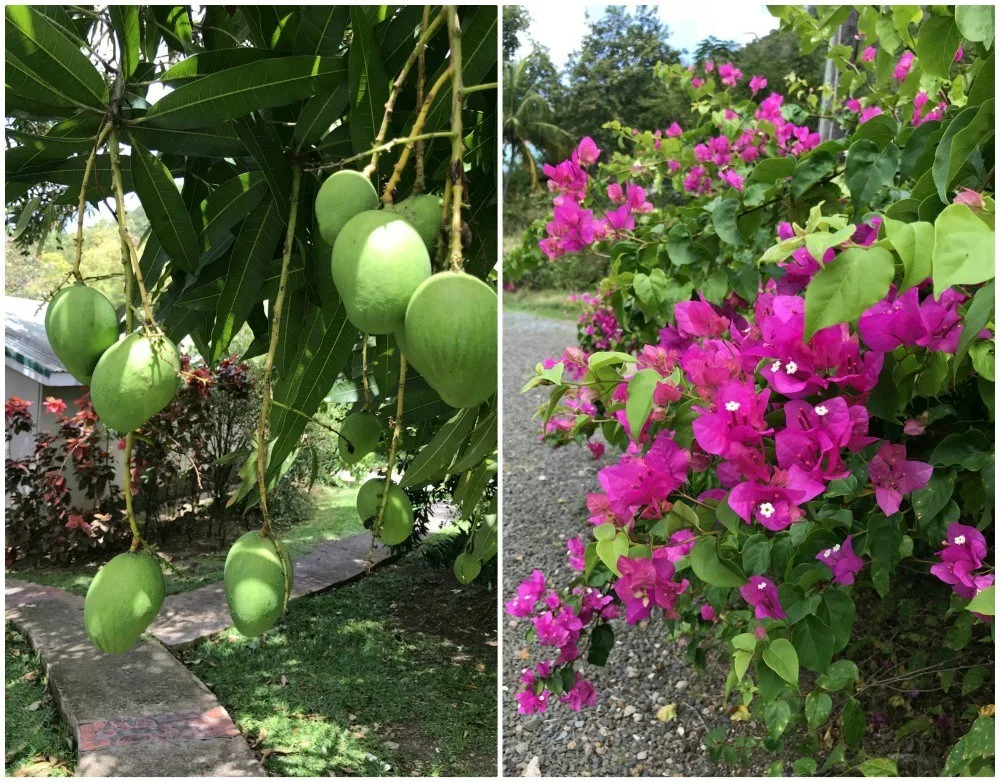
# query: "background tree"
516, 20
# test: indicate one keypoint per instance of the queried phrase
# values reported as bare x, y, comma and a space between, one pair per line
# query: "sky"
562, 26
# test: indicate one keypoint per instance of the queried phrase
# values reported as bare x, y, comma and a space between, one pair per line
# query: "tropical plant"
250, 108
801, 390
527, 121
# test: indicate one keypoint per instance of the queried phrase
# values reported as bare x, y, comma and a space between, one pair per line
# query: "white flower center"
827, 553
762, 585
732, 407
821, 410
837, 547
959, 540
791, 367
776, 366
766, 510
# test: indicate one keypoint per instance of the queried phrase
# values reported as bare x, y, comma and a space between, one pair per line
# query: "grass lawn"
548, 304
36, 741
334, 517
394, 674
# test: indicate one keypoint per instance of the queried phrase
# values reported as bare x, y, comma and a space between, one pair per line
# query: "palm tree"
527, 124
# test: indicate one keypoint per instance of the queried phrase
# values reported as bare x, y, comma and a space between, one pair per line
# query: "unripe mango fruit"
256, 587
81, 324
397, 522
343, 195
377, 262
359, 436
122, 600
423, 212
134, 380
450, 337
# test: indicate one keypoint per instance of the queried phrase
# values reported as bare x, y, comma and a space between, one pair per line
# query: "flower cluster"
963, 554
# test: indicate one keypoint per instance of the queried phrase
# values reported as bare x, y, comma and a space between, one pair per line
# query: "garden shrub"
805, 418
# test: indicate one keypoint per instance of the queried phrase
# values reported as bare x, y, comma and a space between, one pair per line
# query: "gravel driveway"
543, 494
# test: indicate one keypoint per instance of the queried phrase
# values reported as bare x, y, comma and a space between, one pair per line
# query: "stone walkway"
143, 713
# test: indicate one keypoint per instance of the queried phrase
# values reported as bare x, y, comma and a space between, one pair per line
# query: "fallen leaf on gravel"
740, 714
30, 676
667, 713
523, 654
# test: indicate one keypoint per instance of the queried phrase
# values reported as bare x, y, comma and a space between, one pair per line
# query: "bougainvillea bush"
793, 354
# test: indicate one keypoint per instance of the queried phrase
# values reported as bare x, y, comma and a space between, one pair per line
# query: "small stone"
680, 685
571, 745
532, 769
680, 730
521, 747
629, 711
642, 755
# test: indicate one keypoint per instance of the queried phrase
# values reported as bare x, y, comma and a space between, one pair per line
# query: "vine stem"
364, 370
416, 135
418, 176
265, 404
82, 203
397, 85
457, 142
310, 418
397, 431
130, 256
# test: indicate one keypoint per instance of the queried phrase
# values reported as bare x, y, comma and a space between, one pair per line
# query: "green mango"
450, 337
423, 212
123, 600
81, 324
359, 436
134, 380
256, 587
377, 263
343, 195
397, 523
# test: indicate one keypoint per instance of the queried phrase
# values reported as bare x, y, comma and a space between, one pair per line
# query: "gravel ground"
544, 505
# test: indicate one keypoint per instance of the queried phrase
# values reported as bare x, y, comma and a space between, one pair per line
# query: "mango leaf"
43, 63
213, 141
125, 21
434, 460
319, 113
368, 83
164, 207
262, 142
321, 29
482, 442
228, 204
964, 249
226, 95
199, 65
248, 264
843, 289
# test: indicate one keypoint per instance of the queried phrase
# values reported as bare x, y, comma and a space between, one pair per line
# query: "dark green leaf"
369, 83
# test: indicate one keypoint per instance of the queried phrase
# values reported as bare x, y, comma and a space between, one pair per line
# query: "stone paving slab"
140, 713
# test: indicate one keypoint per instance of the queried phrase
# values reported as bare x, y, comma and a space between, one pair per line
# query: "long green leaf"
434, 460
228, 204
264, 145
215, 141
46, 65
125, 20
197, 66
319, 113
164, 207
248, 264
324, 352
369, 83
233, 93
321, 29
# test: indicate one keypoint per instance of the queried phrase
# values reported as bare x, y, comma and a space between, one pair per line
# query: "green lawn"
548, 304
392, 675
36, 741
334, 517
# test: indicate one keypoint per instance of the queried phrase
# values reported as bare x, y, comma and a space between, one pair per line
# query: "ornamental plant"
255, 109
802, 398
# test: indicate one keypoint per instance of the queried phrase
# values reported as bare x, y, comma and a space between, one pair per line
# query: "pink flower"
596, 449
842, 560
970, 198
53, 405
708, 614
775, 502
730, 74
696, 82
528, 594
762, 595
586, 153
852, 104
902, 69
682, 542
757, 83
615, 193
785, 230
731, 178
581, 694
868, 55
576, 550
645, 583
867, 113
709, 66
964, 552
893, 475
674, 130
959, 54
